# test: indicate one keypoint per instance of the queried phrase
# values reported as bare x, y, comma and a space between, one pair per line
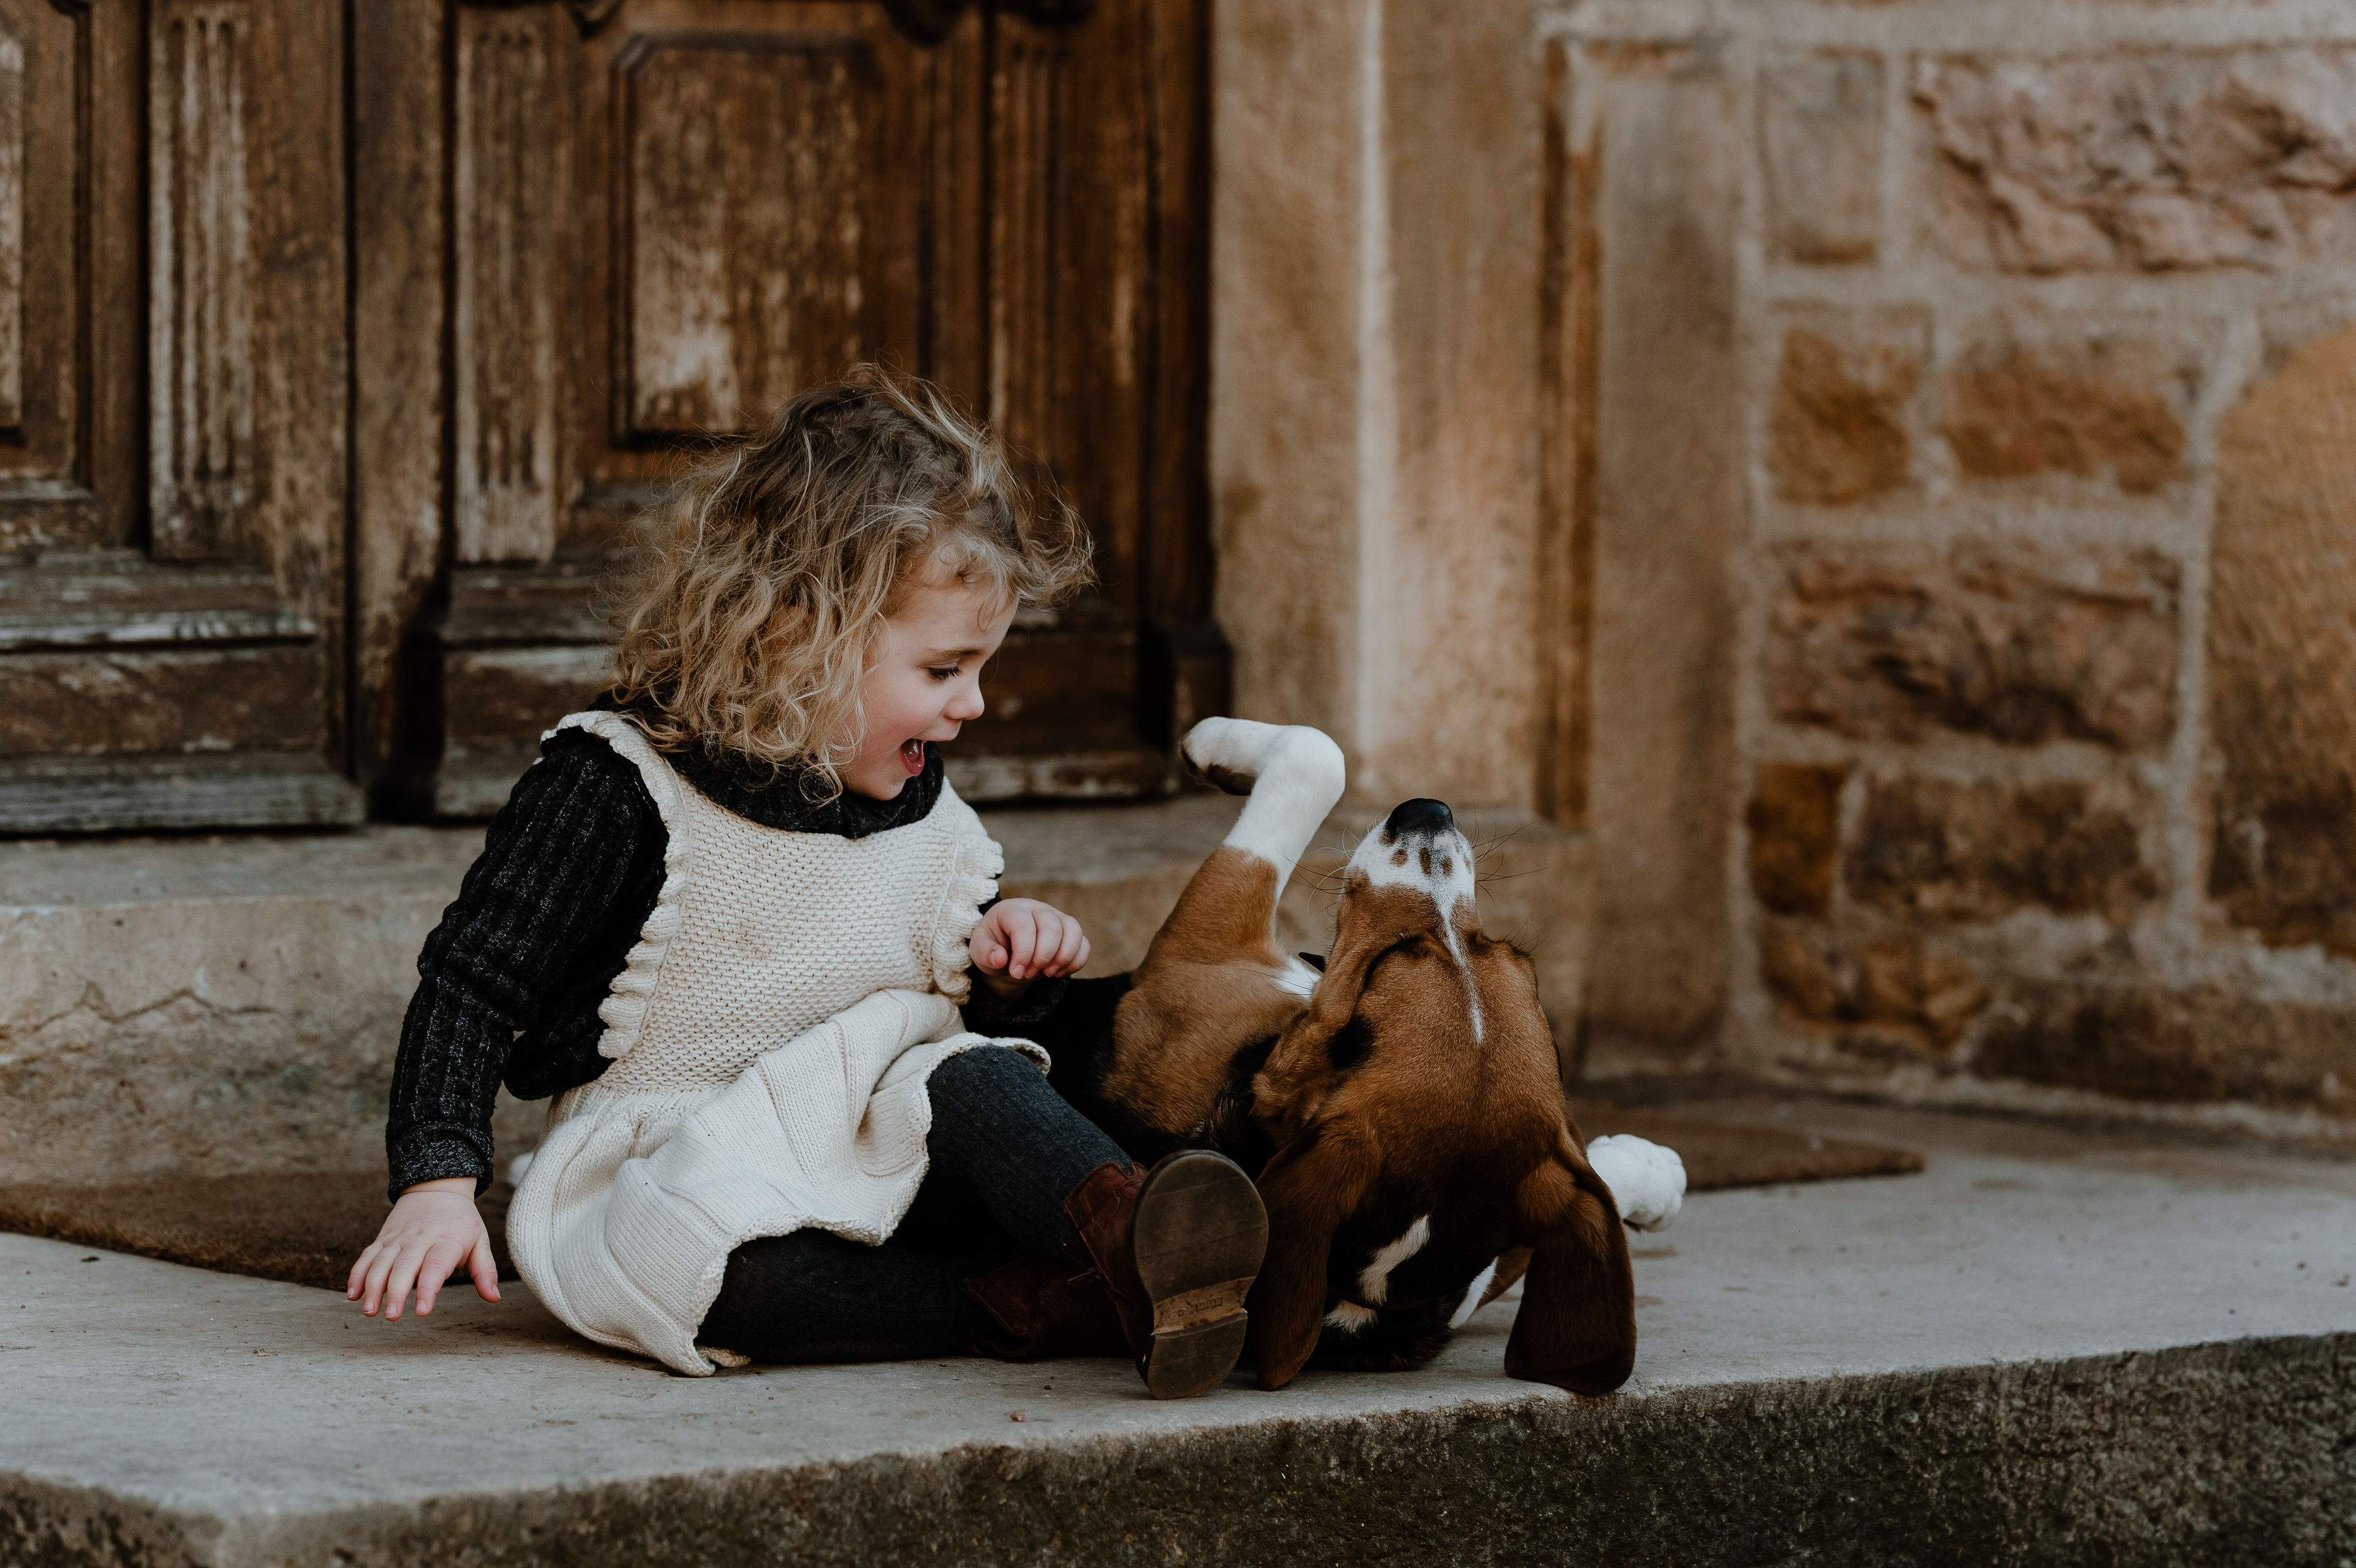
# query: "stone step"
218, 1006
2049, 1347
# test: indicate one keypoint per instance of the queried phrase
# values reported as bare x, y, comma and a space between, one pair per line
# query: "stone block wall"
1971, 468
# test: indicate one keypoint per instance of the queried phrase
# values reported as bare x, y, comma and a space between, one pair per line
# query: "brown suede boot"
1178, 1248
1048, 1308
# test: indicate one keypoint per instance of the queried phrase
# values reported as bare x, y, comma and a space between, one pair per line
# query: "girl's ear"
1576, 1328
1314, 1182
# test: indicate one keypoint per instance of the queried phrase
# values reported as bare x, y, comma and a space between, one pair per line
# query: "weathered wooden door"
316, 461
172, 414
666, 216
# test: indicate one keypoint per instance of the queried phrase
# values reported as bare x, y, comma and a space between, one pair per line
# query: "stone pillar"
1652, 149
1374, 383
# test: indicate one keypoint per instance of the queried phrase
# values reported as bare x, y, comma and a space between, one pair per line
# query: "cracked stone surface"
2153, 161
1980, 643
209, 1006
1937, 850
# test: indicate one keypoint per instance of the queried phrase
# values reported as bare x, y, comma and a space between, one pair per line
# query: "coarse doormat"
306, 1229
1720, 1154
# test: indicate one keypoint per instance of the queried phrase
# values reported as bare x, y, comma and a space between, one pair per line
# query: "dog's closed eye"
1349, 1044
1315, 961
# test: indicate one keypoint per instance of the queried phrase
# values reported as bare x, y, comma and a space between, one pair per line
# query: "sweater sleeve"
986, 1015
556, 863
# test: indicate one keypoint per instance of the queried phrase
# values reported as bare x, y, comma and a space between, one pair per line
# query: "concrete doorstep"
225, 1005
2048, 1348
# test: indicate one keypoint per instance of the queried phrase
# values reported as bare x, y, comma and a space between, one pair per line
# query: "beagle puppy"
1398, 1100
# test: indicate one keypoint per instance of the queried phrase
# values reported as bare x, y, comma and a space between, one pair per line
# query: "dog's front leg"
1212, 983
1293, 774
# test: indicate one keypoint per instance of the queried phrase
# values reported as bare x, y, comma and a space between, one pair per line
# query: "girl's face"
927, 682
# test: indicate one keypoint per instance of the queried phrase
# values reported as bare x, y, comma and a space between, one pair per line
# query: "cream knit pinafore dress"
773, 1030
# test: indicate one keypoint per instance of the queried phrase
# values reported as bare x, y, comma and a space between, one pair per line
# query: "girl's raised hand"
431, 1230
1021, 940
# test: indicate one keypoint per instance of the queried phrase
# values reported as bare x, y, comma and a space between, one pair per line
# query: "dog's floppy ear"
1312, 1185
1576, 1328
1287, 1091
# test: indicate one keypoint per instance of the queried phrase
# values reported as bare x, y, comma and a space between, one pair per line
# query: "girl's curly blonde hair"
788, 549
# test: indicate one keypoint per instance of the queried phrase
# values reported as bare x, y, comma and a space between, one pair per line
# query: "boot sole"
1198, 1237
1190, 1361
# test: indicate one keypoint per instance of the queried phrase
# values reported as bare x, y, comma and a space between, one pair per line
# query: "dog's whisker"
1482, 847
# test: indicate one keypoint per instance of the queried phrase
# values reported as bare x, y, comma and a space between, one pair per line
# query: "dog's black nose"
1422, 817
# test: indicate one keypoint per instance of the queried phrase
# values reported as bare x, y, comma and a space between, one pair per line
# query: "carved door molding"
171, 605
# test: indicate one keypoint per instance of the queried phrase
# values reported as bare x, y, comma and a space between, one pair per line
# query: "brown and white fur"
1401, 1110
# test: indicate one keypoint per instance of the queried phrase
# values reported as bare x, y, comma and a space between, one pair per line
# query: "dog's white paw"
1235, 754
1293, 774
1647, 1180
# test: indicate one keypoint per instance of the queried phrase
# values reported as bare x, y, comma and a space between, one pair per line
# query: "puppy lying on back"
1402, 1109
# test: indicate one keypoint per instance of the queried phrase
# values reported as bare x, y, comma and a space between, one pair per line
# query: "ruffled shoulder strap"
975, 864
624, 1011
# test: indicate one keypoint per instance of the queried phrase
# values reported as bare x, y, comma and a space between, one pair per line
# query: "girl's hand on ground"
431, 1230
1021, 940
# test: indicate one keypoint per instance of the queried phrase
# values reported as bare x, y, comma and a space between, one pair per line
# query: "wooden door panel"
515, 389
740, 232
670, 215
1062, 689
170, 623
245, 290
1070, 273
199, 700
691, 199
508, 177
493, 696
202, 452
750, 164
1030, 116
590, 233
109, 602
1097, 338
12, 227
400, 506
46, 306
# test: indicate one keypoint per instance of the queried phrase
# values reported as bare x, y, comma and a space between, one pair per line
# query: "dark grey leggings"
1005, 1149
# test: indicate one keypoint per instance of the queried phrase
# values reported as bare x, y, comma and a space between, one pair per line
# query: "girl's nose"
967, 706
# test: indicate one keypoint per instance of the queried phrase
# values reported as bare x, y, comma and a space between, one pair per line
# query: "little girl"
726, 920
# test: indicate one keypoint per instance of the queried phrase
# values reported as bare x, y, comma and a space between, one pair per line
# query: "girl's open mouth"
911, 757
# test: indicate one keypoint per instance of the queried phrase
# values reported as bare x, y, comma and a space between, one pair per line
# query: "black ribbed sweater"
510, 980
